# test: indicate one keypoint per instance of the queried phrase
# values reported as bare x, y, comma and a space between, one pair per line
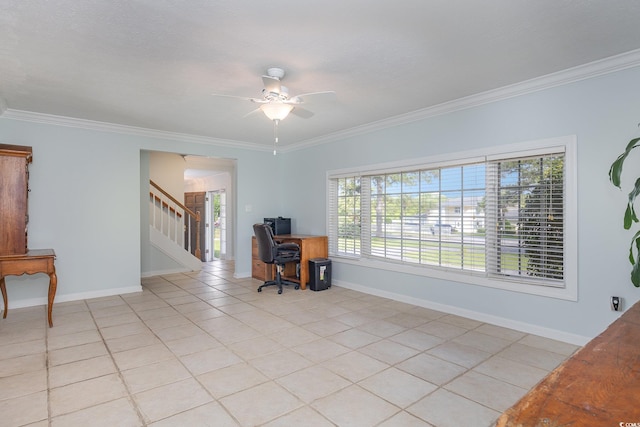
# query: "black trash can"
319, 274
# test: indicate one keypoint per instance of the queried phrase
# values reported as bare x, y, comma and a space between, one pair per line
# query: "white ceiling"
156, 63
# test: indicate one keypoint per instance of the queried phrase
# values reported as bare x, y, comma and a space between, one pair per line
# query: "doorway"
196, 202
216, 225
179, 174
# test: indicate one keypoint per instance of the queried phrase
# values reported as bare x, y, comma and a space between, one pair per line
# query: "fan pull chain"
275, 135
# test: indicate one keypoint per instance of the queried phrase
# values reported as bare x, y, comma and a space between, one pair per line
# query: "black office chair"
272, 252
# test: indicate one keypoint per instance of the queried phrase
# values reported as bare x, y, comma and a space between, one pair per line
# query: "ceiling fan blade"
314, 97
271, 84
301, 112
244, 98
251, 113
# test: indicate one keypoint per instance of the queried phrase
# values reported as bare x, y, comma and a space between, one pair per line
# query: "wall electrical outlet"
616, 303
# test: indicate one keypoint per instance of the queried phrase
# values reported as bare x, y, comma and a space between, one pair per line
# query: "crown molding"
593, 69
51, 119
582, 72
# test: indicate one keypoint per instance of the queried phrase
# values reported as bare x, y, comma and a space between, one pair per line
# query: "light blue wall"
602, 112
86, 199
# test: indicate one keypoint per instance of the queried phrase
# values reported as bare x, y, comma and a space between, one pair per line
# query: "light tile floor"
204, 349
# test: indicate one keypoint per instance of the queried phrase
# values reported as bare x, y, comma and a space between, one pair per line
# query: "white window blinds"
502, 217
526, 217
345, 215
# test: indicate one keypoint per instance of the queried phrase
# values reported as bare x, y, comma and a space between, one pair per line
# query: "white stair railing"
173, 219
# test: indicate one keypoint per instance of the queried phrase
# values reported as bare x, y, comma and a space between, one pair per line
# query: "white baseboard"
33, 302
475, 315
164, 272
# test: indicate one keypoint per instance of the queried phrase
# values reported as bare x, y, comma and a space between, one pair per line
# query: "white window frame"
566, 144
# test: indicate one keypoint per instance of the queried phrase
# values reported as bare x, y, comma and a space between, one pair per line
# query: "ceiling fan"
276, 103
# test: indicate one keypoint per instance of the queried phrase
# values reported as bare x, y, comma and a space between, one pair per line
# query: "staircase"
170, 225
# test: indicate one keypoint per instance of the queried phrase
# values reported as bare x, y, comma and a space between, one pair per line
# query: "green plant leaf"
630, 213
635, 260
615, 172
627, 217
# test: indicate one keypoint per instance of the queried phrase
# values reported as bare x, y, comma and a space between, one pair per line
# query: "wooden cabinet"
15, 258
310, 247
14, 187
259, 270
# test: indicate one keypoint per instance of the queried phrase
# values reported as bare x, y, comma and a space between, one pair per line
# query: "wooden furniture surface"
15, 258
598, 386
14, 187
259, 270
310, 247
32, 262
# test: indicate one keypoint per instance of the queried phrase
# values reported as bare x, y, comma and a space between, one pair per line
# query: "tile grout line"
130, 397
282, 311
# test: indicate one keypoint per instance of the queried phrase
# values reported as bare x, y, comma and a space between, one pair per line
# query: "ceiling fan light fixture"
276, 110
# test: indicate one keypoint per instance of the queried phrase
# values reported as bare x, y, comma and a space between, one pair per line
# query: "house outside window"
505, 220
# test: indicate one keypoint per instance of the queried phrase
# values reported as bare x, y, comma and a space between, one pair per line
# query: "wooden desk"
310, 247
34, 261
598, 386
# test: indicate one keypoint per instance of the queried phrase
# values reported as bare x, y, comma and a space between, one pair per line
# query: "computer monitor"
279, 225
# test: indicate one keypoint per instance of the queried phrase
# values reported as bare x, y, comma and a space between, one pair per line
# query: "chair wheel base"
279, 283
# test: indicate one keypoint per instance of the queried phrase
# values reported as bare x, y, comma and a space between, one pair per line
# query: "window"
346, 198
526, 217
498, 217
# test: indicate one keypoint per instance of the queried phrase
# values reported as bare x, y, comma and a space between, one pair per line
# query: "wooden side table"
34, 261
